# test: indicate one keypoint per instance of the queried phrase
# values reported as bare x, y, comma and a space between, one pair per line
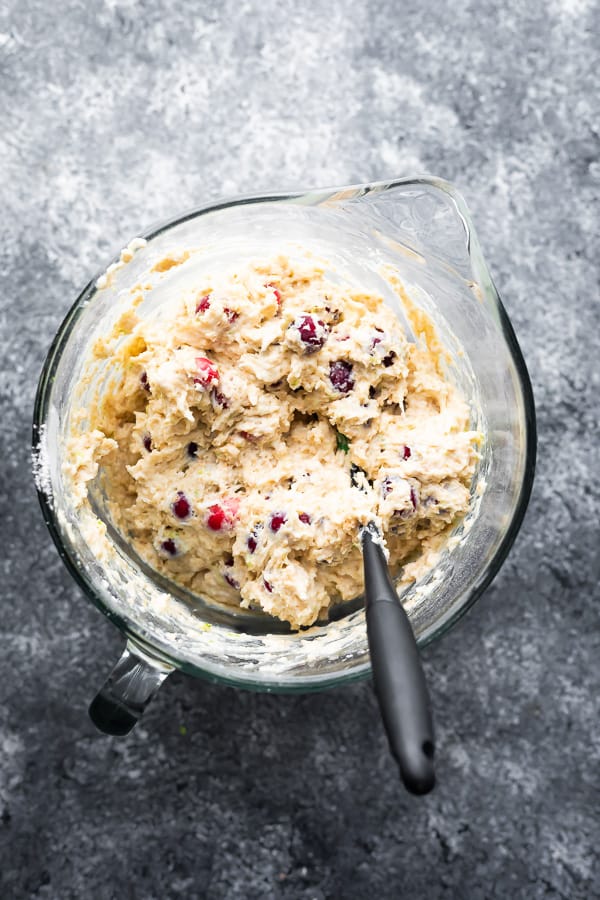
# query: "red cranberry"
249, 437
389, 359
231, 315
272, 284
387, 486
231, 581
313, 332
231, 505
203, 304
406, 452
305, 517
277, 520
252, 539
268, 585
216, 517
407, 513
340, 375
374, 343
223, 515
181, 507
192, 449
207, 372
144, 381
169, 547
147, 443
219, 399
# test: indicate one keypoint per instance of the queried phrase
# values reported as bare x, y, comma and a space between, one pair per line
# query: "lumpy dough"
226, 438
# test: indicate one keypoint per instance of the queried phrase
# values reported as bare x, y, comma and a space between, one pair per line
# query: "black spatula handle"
397, 673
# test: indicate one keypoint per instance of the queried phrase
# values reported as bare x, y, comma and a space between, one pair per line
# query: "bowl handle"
127, 691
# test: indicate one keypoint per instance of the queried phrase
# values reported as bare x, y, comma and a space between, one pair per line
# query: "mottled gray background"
116, 114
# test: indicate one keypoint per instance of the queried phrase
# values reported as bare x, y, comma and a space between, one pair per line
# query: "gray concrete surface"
116, 114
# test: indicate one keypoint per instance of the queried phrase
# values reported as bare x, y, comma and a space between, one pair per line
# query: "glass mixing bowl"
422, 228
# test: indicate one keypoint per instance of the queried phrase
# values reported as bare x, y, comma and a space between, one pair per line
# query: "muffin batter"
226, 437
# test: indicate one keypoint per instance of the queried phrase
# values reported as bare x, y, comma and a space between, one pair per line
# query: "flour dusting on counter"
40, 464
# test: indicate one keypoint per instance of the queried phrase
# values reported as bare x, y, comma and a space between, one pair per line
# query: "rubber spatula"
398, 675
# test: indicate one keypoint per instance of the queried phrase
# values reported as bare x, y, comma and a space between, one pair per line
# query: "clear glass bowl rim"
309, 198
